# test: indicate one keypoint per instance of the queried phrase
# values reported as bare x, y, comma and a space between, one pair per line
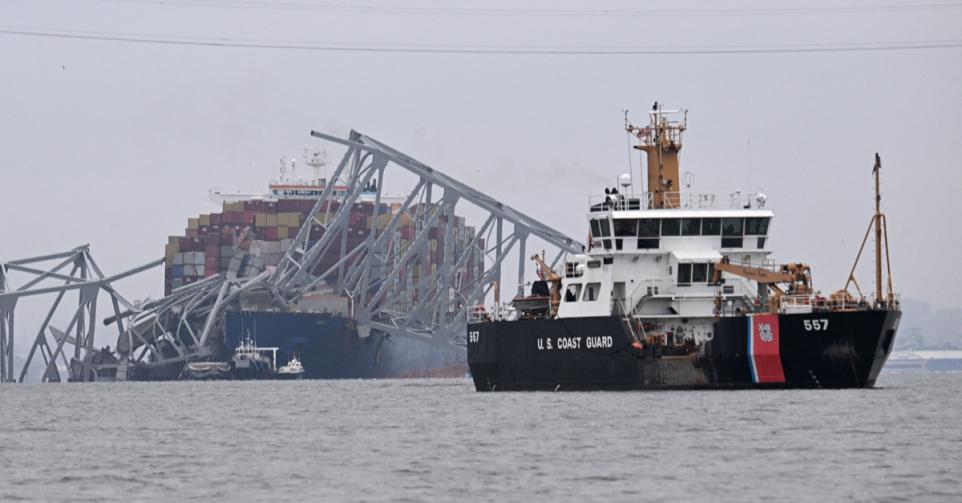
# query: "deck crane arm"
796, 276
554, 280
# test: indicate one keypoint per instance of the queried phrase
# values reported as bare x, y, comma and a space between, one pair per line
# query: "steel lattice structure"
49, 343
181, 326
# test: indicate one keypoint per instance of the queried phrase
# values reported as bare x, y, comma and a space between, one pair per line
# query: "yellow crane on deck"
796, 277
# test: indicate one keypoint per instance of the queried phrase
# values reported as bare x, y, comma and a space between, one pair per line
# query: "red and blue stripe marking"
764, 354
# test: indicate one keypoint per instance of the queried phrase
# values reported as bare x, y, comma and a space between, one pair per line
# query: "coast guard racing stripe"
763, 353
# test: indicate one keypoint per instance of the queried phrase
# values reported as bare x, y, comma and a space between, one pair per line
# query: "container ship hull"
812, 350
330, 347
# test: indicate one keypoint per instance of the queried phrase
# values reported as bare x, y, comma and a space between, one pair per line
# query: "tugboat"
293, 370
251, 362
677, 291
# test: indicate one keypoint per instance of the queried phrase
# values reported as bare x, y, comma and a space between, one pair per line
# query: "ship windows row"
574, 292
649, 230
655, 227
689, 274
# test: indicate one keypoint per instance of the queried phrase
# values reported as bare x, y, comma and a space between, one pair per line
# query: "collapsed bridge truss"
180, 326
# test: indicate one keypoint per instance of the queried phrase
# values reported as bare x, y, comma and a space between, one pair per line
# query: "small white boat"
293, 370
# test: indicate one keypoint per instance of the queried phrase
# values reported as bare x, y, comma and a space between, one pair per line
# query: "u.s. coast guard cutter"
677, 291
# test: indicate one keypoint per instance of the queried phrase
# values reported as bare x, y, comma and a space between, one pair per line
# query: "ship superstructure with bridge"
677, 290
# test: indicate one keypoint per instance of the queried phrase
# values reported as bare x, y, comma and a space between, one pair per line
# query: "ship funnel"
661, 142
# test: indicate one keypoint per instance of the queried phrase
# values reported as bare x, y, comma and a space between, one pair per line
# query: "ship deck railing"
481, 313
819, 303
676, 200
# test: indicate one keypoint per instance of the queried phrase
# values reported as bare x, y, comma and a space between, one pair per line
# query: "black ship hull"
251, 370
812, 350
330, 347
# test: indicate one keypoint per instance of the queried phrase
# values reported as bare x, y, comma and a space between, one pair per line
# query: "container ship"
251, 234
677, 291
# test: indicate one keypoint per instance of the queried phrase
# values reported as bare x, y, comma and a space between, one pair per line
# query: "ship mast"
878, 231
879, 223
661, 142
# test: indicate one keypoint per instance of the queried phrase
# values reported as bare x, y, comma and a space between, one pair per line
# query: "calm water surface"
440, 440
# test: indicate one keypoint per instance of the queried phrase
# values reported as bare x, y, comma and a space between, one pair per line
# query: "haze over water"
440, 440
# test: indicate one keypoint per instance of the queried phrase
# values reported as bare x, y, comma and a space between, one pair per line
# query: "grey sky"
116, 143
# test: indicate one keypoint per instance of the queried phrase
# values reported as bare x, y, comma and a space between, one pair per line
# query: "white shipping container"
178, 259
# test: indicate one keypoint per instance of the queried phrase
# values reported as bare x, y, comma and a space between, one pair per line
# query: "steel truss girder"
85, 277
179, 326
372, 276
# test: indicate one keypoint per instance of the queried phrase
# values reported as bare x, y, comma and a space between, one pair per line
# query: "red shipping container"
215, 219
269, 233
247, 218
286, 205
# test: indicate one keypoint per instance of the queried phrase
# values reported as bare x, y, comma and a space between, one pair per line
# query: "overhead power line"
481, 49
599, 12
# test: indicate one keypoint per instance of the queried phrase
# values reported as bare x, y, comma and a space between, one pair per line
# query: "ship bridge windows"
572, 292
595, 229
690, 226
671, 227
732, 231
732, 242
601, 228
649, 228
626, 227
710, 226
756, 226
647, 243
648, 231
605, 228
732, 227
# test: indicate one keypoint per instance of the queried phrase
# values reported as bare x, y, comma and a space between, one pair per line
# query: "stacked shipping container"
248, 236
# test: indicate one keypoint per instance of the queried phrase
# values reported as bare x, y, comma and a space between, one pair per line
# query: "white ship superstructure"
676, 291
288, 185
652, 254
